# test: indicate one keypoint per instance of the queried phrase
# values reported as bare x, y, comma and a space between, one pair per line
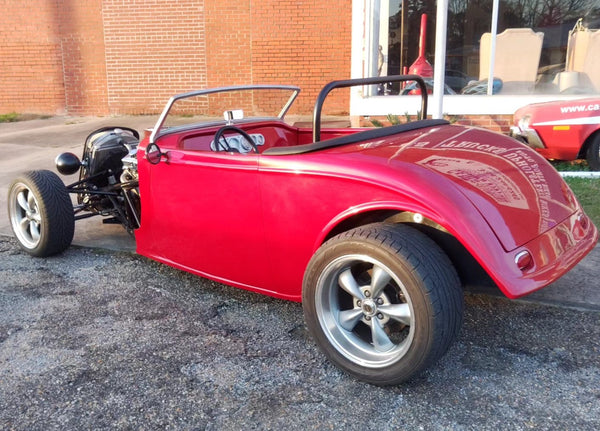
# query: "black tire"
41, 213
411, 314
592, 154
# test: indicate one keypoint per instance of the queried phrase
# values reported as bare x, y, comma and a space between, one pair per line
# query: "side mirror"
153, 154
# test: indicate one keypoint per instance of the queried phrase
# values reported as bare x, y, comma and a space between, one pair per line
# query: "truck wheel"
383, 302
593, 153
41, 214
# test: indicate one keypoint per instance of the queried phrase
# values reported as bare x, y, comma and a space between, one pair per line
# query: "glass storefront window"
543, 47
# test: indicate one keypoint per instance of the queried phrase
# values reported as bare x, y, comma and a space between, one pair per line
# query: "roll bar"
364, 81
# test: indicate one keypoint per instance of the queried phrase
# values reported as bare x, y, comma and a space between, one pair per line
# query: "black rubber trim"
364, 81
111, 128
353, 138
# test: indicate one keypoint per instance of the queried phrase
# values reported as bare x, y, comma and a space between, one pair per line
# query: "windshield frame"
158, 130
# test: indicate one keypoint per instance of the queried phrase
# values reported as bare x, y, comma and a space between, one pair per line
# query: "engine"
103, 157
108, 177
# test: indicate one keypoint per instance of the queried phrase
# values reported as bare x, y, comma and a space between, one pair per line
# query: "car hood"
518, 192
582, 111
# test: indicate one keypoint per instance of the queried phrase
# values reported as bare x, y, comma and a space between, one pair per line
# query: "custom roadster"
374, 230
561, 130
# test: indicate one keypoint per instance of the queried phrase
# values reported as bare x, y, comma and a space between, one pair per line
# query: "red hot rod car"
374, 230
561, 130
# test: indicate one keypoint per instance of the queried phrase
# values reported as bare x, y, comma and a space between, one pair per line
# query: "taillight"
524, 260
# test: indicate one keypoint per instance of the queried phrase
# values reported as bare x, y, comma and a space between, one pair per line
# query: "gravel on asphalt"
99, 340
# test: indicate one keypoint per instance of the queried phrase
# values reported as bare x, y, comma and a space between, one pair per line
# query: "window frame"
459, 104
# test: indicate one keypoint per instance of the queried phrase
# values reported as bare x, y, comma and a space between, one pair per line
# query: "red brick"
104, 57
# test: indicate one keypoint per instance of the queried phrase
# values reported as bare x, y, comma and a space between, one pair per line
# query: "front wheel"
593, 154
383, 302
41, 214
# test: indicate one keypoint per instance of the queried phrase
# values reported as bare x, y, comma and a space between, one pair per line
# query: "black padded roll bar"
364, 81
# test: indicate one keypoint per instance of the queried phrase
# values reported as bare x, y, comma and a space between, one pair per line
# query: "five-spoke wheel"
41, 213
364, 310
26, 217
382, 301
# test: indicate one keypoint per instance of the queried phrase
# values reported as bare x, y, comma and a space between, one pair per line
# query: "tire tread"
427, 263
56, 210
593, 153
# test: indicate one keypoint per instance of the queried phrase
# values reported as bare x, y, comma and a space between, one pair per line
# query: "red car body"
255, 220
374, 230
561, 130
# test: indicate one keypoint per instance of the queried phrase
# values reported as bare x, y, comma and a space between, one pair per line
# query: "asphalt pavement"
97, 340
101, 338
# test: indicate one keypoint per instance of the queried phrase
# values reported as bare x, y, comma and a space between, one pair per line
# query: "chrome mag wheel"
365, 310
24, 214
382, 301
40, 213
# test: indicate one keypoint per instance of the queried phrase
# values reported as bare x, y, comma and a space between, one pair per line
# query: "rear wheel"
383, 302
40, 212
593, 154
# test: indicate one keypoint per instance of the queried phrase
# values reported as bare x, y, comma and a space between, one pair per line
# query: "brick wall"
497, 123
304, 43
31, 75
101, 57
82, 50
229, 30
128, 57
154, 49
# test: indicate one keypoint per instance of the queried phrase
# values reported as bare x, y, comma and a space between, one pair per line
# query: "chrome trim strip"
528, 136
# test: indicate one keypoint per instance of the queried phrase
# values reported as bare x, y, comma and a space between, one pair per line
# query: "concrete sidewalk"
35, 144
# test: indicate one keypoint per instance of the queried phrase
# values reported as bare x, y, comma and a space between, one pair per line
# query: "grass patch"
587, 191
11, 117
572, 166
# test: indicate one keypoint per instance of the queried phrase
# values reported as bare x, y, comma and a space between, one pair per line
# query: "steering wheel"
226, 147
